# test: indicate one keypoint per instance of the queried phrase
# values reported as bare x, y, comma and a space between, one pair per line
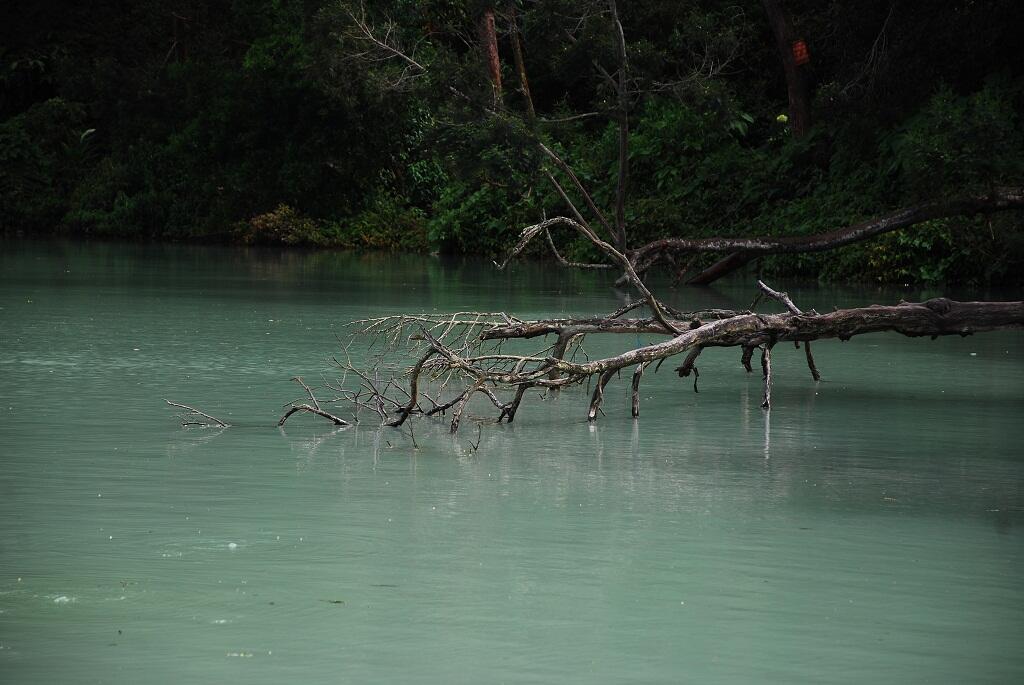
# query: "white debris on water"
63, 599
232, 545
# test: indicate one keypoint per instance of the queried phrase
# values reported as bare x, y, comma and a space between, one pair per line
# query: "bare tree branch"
788, 303
743, 249
531, 231
192, 411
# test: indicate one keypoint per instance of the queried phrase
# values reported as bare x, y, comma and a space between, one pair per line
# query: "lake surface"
868, 529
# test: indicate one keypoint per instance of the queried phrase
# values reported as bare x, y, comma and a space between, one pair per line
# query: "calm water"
869, 530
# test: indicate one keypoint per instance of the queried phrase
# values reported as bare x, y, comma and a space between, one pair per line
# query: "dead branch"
531, 231
587, 199
459, 365
743, 249
931, 318
766, 371
414, 380
309, 391
788, 303
638, 372
192, 411
565, 262
448, 360
382, 46
598, 397
460, 406
313, 408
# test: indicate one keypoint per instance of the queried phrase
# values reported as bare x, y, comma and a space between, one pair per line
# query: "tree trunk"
489, 40
517, 55
799, 102
623, 122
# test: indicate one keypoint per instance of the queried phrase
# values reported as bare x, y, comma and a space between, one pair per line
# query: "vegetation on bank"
255, 122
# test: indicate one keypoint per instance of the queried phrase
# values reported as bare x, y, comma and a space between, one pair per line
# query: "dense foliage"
266, 122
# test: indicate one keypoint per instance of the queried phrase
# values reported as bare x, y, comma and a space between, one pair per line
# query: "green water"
869, 530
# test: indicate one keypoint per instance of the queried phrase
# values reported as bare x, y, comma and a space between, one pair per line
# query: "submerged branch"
313, 408
192, 411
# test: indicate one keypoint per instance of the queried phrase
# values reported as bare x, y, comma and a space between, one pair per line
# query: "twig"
298, 379
193, 410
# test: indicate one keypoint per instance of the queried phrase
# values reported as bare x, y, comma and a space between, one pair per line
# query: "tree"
796, 86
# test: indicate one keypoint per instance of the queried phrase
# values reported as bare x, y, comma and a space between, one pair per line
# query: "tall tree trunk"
799, 103
517, 54
489, 40
623, 117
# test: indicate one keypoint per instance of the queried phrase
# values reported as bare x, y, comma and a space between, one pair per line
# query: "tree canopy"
286, 123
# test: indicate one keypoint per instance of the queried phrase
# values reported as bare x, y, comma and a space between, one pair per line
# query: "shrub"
282, 225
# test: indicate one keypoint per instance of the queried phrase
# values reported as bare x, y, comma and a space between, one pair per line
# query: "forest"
450, 125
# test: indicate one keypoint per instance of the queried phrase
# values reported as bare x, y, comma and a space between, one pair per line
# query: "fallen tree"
463, 354
429, 365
